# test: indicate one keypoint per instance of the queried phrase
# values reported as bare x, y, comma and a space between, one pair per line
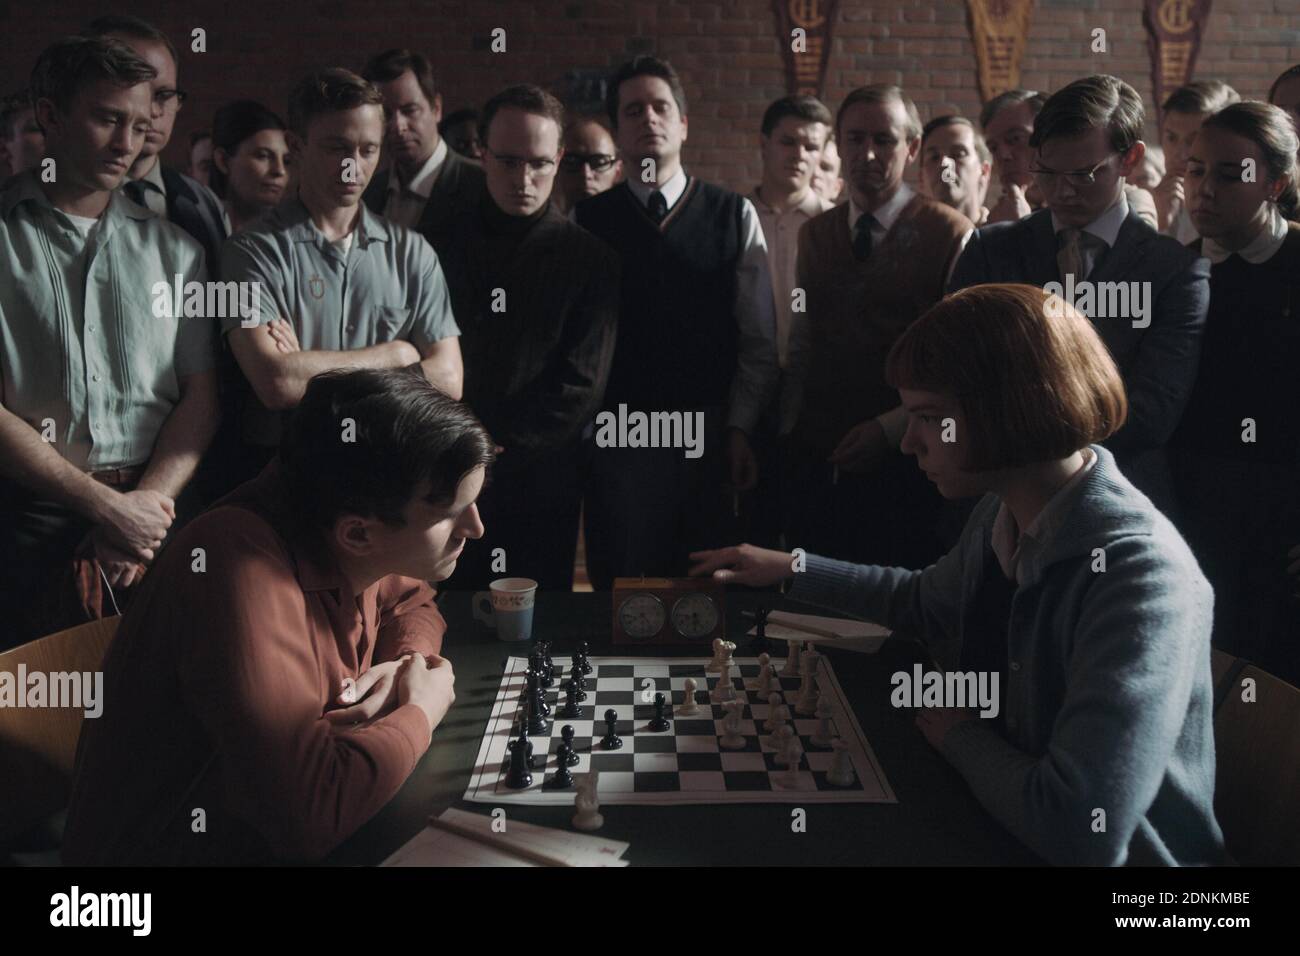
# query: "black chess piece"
518, 776
528, 744
542, 664
576, 675
563, 777
571, 709
611, 740
548, 665
760, 644
660, 722
534, 691
536, 720
582, 655
566, 734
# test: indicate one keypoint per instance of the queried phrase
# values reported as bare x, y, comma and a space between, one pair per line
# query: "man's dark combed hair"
129, 26
389, 65
526, 97
939, 122
806, 108
67, 66
644, 66
1285, 75
406, 432
328, 91
1094, 101
1201, 96
993, 107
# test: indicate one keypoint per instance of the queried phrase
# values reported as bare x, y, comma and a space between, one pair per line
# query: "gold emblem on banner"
1174, 30
999, 29
805, 69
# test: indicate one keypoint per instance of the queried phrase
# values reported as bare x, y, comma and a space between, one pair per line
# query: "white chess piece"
727, 649
757, 682
587, 802
806, 703
787, 752
840, 773
773, 704
689, 707
826, 729
722, 690
712, 666
765, 676
792, 660
732, 738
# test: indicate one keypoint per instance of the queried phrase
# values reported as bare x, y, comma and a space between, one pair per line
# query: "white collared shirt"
672, 189
1260, 249
781, 229
886, 215
1010, 550
406, 200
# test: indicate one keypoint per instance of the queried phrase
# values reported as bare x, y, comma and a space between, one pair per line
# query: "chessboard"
686, 763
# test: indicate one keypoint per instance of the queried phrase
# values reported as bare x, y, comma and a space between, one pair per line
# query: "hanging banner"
1173, 39
808, 51
999, 29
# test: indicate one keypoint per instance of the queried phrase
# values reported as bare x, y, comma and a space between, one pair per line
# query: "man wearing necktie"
1087, 141
696, 336
166, 192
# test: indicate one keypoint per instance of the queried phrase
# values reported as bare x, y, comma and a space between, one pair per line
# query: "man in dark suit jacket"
1090, 242
537, 300
429, 185
167, 192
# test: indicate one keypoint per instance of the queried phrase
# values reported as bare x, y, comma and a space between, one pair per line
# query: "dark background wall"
726, 51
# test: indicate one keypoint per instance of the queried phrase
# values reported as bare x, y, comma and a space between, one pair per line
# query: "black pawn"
518, 777
566, 734
571, 710
563, 777
611, 740
660, 722
581, 681
582, 655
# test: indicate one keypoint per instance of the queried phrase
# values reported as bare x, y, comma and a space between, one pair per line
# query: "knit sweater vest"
857, 310
677, 338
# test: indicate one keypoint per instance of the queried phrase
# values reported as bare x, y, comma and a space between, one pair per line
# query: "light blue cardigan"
1108, 699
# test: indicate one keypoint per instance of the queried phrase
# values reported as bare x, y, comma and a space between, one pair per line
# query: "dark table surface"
935, 822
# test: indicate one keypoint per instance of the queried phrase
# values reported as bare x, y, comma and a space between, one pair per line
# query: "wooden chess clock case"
686, 611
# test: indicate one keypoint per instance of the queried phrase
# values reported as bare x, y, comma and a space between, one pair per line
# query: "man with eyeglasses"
427, 184
165, 191
1086, 142
590, 164
536, 297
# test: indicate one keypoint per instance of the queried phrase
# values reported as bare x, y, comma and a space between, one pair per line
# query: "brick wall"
727, 51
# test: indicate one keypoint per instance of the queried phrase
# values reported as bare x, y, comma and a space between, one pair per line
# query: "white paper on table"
436, 847
861, 636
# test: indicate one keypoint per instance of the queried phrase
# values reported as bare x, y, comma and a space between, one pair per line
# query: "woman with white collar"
1238, 446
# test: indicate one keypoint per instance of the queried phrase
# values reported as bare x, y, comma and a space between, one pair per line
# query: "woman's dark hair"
365, 441
232, 124
1270, 128
1285, 75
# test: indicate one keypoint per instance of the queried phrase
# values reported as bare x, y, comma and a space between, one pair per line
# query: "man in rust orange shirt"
278, 677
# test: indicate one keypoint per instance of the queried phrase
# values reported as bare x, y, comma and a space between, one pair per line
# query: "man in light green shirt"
339, 285
105, 408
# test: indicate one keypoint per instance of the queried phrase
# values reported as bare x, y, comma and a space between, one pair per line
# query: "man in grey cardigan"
1066, 583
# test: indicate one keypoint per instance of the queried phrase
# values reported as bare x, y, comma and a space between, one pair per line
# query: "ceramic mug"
507, 605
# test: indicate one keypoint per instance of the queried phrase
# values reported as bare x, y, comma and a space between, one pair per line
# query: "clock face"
695, 615
642, 616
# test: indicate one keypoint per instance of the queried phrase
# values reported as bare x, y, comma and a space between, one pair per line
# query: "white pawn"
826, 729
757, 683
840, 773
732, 738
806, 703
587, 802
713, 666
792, 660
688, 708
773, 708
765, 677
787, 752
722, 690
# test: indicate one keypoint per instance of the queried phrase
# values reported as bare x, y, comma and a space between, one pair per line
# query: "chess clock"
668, 611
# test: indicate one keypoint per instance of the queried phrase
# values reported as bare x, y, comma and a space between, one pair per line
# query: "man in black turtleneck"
536, 298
